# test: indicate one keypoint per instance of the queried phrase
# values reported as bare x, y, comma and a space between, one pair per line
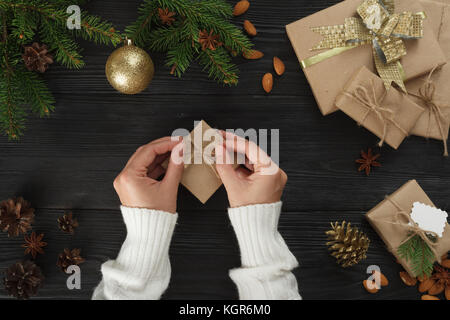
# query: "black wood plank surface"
68, 163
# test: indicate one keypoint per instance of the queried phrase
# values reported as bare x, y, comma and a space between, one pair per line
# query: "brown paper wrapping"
327, 78
383, 216
200, 179
406, 112
439, 19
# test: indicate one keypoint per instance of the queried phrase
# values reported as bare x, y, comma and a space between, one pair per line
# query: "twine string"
427, 95
413, 228
373, 105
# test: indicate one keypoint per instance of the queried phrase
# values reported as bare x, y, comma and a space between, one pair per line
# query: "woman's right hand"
261, 181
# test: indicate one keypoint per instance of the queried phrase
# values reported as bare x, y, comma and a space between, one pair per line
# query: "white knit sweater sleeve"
142, 268
266, 260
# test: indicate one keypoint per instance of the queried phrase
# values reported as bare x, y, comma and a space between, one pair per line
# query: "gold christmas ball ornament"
129, 69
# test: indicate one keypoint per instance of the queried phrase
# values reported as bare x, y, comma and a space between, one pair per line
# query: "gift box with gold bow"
200, 176
432, 90
389, 114
391, 219
390, 38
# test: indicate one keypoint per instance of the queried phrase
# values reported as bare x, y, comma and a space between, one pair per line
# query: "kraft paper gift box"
434, 124
394, 114
201, 179
383, 218
328, 77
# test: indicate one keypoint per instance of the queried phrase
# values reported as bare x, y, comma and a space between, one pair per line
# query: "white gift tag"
429, 218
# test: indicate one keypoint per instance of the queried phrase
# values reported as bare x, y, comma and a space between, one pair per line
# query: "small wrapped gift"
345, 44
395, 222
390, 115
200, 176
431, 91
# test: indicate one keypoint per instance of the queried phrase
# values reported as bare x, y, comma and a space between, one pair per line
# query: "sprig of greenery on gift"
23, 22
417, 252
189, 30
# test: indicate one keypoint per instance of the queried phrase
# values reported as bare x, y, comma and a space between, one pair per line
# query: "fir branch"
36, 93
20, 22
180, 40
417, 252
139, 31
180, 57
24, 26
66, 50
12, 116
211, 14
97, 30
230, 35
162, 39
219, 66
93, 28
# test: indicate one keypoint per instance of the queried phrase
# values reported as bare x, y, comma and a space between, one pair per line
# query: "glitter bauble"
129, 69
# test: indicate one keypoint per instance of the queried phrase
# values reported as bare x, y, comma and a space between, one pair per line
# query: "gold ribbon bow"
429, 237
427, 95
379, 25
373, 104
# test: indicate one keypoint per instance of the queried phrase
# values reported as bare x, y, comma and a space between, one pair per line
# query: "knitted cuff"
256, 228
146, 247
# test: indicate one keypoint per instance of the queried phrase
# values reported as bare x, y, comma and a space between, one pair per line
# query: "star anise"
367, 161
166, 16
34, 244
209, 40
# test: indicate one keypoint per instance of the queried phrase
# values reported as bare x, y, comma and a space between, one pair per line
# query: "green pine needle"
416, 251
180, 39
21, 23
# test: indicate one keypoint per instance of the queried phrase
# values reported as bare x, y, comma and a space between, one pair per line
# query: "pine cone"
348, 245
16, 216
37, 58
67, 223
23, 280
69, 258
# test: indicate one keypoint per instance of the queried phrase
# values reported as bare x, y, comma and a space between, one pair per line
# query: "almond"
372, 289
267, 82
428, 297
249, 28
253, 54
278, 65
241, 7
436, 289
446, 263
383, 280
447, 293
426, 285
407, 279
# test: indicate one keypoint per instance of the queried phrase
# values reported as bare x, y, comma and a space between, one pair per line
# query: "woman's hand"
137, 186
262, 181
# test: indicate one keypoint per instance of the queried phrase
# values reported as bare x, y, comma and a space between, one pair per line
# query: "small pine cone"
37, 58
67, 223
68, 258
348, 245
23, 280
16, 216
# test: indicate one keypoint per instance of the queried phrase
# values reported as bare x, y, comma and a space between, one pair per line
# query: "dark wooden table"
68, 163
